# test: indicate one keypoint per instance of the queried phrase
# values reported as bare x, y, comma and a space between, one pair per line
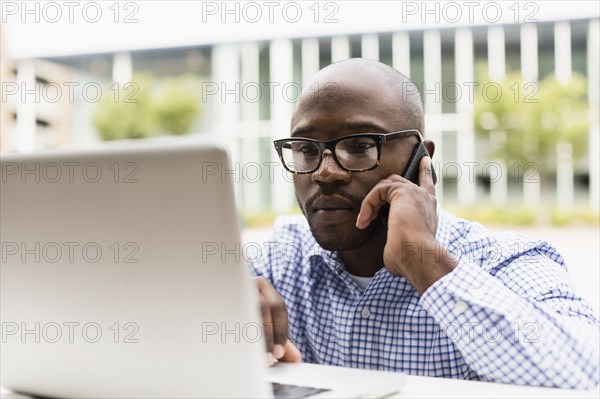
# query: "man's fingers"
279, 316
426, 175
292, 353
370, 206
386, 189
265, 312
367, 214
376, 198
275, 318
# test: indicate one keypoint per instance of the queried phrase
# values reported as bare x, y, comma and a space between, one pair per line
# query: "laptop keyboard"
294, 391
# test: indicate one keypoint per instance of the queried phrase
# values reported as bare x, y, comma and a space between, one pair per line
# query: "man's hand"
411, 249
275, 323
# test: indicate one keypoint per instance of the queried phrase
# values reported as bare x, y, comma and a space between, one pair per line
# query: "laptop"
111, 286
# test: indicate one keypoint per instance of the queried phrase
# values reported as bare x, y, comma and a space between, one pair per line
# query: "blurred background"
510, 91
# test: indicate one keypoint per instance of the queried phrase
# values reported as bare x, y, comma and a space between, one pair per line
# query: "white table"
430, 387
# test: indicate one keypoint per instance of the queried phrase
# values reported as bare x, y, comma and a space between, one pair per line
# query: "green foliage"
585, 216
265, 218
492, 214
128, 115
534, 117
488, 214
145, 108
259, 219
178, 105
588, 216
560, 217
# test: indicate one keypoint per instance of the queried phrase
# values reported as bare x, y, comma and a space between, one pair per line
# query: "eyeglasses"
354, 153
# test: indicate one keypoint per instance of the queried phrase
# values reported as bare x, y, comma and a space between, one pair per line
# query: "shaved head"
325, 89
350, 97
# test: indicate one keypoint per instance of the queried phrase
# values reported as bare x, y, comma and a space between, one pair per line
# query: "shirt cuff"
469, 283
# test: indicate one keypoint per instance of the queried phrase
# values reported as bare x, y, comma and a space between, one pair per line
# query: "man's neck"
366, 260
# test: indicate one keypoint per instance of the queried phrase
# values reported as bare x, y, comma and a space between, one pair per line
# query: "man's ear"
430, 145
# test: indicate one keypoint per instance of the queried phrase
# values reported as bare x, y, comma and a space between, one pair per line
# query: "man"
378, 276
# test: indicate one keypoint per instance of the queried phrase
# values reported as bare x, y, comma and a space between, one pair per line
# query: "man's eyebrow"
355, 127
367, 127
302, 131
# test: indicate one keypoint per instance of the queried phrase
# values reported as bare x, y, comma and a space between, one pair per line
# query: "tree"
129, 115
534, 118
146, 108
178, 105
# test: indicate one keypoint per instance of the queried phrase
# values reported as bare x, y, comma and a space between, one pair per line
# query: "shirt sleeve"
523, 325
258, 257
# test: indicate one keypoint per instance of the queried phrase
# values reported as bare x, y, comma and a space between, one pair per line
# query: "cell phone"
411, 172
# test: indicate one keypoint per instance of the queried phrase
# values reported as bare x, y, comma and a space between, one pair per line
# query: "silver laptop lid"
121, 276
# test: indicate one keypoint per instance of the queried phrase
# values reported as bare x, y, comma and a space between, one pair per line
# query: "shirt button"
460, 307
365, 312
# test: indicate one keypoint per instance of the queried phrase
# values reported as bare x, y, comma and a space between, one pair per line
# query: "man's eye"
365, 145
359, 147
306, 149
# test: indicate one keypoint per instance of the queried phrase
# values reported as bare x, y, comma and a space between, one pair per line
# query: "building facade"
250, 87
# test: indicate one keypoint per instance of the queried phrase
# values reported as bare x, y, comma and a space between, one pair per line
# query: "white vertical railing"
122, 70
464, 108
496, 53
593, 60
340, 48
562, 52
282, 73
401, 52
370, 46
225, 62
310, 59
497, 72
250, 142
529, 70
432, 54
565, 191
226, 105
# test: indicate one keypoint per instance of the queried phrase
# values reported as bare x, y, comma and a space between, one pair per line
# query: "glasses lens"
357, 153
300, 156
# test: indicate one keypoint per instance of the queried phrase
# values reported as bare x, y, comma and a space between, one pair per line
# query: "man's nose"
329, 171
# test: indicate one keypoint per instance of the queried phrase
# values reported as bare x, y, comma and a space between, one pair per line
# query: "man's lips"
331, 203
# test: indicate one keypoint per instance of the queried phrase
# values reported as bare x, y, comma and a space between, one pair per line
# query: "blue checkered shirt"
507, 313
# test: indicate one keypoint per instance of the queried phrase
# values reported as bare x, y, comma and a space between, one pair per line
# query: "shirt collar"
330, 258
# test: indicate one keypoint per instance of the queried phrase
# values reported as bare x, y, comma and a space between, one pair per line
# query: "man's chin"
344, 238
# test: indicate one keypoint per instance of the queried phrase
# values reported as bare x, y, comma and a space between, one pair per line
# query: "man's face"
330, 198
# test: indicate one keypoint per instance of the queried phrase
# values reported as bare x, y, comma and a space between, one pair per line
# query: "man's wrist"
424, 262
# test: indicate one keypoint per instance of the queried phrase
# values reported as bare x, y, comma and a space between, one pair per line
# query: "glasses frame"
379, 138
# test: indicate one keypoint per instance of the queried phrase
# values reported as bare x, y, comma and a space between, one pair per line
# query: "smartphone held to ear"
411, 172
